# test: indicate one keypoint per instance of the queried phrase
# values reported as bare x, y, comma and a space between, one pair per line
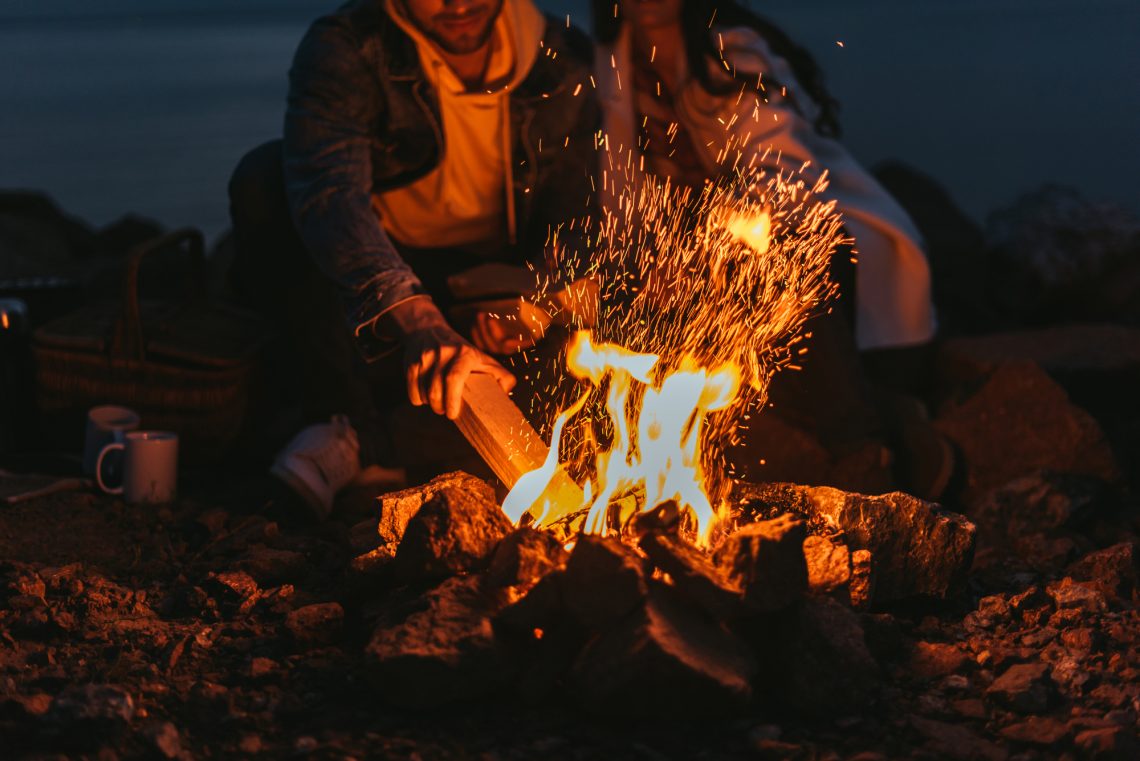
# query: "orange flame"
655, 454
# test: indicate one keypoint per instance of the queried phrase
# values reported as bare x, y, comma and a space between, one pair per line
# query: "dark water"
145, 106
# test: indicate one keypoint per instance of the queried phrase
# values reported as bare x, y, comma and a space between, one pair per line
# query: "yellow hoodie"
466, 201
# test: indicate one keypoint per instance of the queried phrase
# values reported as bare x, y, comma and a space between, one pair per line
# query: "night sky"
145, 106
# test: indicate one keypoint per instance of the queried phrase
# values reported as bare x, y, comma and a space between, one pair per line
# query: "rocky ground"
206, 629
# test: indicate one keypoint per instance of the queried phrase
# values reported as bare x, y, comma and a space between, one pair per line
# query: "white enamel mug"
150, 467
105, 424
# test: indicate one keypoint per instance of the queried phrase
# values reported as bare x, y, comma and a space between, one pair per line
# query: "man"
430, 147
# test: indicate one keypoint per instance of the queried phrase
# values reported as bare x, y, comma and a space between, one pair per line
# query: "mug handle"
99, 467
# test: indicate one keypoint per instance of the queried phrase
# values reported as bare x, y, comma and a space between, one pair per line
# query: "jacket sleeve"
332, 108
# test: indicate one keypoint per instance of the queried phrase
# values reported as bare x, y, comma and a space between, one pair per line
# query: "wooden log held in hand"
499, 432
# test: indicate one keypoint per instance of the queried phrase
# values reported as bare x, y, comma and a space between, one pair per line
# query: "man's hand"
437, 360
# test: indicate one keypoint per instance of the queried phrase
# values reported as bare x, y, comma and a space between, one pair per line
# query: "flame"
655, 453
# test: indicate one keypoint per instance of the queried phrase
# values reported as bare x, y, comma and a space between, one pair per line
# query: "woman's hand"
437, 360
509, 326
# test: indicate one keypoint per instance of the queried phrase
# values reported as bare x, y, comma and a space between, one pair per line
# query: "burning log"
694, 574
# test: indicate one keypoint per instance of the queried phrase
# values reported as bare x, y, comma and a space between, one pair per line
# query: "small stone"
260, 667
1036, 730
931, 660
664, 660
454, 532
1021, 421
98, 708
956, 742
269, 566
234, 590
1039, 638
165, 738
604, 580
1023, 687
971, 708
693, 574
442, 654
1068, 594
1111, 571
766, 560
1109, 743
398, 508
523, 557
862, 579
251, 744
828, 564
1032, 606
318, 624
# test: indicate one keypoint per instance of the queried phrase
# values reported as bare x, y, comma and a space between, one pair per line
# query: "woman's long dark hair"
696, 16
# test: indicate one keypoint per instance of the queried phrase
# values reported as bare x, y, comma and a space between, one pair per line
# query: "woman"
679, 80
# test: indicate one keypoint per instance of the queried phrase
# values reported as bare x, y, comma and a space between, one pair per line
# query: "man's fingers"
435, 385
461, 367
414, 395
501, 374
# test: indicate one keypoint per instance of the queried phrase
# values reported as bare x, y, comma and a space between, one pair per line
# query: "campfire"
626, 566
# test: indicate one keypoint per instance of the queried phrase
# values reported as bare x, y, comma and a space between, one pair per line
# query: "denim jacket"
361, 118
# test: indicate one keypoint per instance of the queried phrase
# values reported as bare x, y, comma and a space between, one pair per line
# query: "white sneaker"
319, 462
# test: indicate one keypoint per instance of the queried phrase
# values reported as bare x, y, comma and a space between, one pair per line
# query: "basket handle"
129, 333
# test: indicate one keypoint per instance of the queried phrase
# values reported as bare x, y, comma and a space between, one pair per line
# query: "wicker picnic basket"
185, 365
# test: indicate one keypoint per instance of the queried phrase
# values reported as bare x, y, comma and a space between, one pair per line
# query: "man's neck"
471, 68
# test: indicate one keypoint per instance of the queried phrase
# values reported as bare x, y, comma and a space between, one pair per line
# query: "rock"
1036, 730
766, 560
917, 548
318, 624
828, 565
397, 508
663, 660
1057, 257
261, 667
1042, 501
235, 591
1111, 571
955, 741
862, 580
442, 654
1068, 594
1023, 687
932, 660
165, 738
1032, 606
269, 566
1115, 743
454, 532
523, 557
1021, 421
693, 574
817, 660
604, 580
91, 709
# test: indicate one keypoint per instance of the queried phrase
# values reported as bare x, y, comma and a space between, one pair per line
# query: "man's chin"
462, 45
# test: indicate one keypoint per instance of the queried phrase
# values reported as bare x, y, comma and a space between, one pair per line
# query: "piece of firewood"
492, 423
496, 428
